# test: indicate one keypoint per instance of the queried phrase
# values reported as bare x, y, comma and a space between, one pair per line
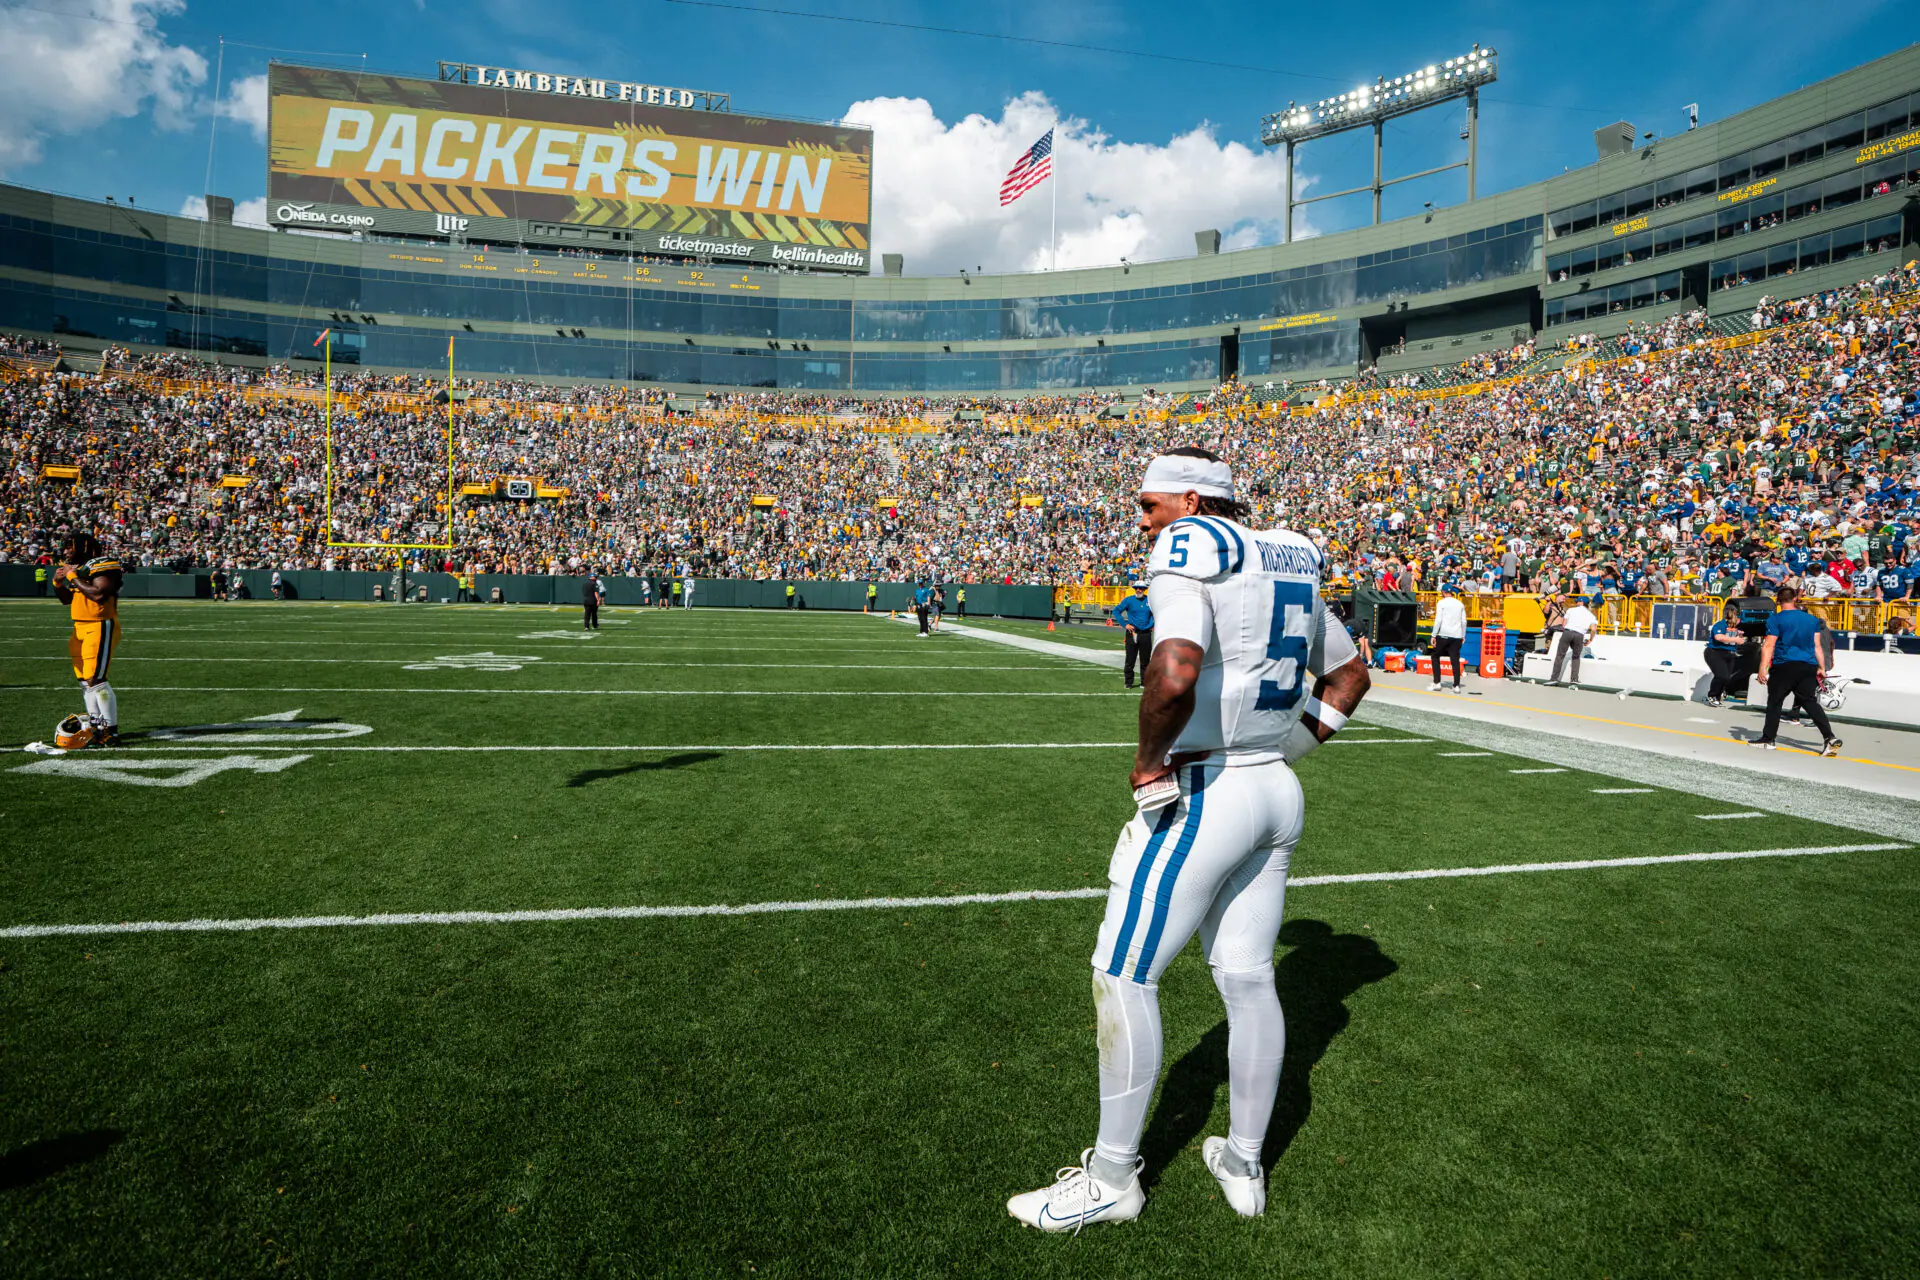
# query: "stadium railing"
1633, 615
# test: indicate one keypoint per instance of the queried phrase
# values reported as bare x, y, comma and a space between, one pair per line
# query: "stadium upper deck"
1716, 217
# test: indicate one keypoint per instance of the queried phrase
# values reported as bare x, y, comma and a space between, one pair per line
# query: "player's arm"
100, 588
1766, 660
1179, 568
1166, 705
1341, 681
63, 583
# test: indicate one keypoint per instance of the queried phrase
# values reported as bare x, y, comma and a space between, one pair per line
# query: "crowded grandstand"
1671, 459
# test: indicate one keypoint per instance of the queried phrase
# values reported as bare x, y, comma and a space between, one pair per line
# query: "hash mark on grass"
1721, 817
568, 914
1463, 755
1623, 791
1553, 770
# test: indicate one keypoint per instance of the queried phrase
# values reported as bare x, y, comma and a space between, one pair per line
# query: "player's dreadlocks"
81, 546
1231, 508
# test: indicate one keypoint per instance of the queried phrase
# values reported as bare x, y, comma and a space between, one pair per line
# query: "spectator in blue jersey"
1133, 614
1772, 573
1892, 580
1724, 639
1790, 664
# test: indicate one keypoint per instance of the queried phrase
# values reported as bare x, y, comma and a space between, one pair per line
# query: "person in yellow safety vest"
41, 573
960, 601
873, 592
789, 595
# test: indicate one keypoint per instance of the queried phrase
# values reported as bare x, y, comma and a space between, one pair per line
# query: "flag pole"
1053, 225
327, 416
449, 447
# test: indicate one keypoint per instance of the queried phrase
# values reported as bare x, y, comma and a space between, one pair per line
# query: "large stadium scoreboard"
545, 160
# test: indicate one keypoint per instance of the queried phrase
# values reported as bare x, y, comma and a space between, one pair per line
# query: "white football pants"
1213, 862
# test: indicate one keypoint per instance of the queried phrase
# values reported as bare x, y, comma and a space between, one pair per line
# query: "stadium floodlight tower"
1376, 104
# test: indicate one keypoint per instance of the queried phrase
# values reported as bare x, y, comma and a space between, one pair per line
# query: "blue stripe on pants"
1139, 889
1163, 897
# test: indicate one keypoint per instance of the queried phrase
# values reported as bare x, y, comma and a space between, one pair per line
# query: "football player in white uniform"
1238, 626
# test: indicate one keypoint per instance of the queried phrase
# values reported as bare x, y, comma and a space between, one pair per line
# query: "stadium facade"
1804, 186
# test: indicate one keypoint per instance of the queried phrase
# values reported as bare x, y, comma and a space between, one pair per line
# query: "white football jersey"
1251, 602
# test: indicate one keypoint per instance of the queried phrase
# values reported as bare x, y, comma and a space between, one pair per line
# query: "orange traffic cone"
1049, 624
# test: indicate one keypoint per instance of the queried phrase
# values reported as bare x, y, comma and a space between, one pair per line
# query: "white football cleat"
1078, 1198
1248, 1196
1434, 688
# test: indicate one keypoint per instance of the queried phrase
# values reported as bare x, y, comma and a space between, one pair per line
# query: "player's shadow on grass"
1315, 978
680, 761
24, 1166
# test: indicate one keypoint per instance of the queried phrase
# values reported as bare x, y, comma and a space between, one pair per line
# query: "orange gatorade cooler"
1493, 653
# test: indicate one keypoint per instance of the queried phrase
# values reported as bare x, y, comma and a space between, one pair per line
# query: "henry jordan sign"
361, 150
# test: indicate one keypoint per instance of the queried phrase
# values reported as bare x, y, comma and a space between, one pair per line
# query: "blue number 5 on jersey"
1288, 636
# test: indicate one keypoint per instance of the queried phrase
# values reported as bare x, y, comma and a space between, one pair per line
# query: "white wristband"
1332, 720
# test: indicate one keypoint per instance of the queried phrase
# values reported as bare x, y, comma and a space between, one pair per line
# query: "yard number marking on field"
155, 771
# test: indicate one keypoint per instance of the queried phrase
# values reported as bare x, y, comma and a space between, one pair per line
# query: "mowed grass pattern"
1688, 1069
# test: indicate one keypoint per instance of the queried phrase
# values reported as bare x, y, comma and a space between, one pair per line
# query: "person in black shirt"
590, 598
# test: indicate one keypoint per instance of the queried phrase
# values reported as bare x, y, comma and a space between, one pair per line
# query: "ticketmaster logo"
827, 257
681, 244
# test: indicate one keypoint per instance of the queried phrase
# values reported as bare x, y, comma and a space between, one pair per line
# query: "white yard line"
1721, 817
1462, 755
603, 693
565, 915
171, 746
1536, 771
1062, 668
1623, 791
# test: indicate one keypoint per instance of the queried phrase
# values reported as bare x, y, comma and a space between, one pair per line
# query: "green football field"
1664, 1067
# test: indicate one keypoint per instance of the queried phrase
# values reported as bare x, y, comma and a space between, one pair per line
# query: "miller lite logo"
447, 224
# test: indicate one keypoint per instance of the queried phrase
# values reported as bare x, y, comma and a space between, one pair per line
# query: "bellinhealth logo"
447, 224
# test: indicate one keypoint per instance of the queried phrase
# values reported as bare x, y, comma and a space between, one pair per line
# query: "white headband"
1177, 473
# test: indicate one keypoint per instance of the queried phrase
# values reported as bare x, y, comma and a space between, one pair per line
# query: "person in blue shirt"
1891, 580
922, 605
1790, 664
1724, 639
1133, 614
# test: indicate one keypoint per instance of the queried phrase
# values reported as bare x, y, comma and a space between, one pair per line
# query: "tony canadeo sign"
355, 152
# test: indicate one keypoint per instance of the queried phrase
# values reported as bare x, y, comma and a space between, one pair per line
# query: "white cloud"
936, 192
61, 73
246, 101
246, 213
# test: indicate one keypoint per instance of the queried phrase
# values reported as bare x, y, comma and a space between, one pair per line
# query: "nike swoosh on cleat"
1083, 1217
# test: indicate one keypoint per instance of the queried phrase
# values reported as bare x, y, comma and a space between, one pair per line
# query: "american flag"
1030, 170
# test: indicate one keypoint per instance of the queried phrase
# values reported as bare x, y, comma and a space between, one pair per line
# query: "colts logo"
447, 224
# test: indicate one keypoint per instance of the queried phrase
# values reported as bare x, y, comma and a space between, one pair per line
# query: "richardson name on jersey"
1276, 558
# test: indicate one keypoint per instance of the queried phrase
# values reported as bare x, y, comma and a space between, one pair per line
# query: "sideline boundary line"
1065, 667
170, 745
565, 914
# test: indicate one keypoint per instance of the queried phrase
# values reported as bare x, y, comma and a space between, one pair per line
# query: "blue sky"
1152, 149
